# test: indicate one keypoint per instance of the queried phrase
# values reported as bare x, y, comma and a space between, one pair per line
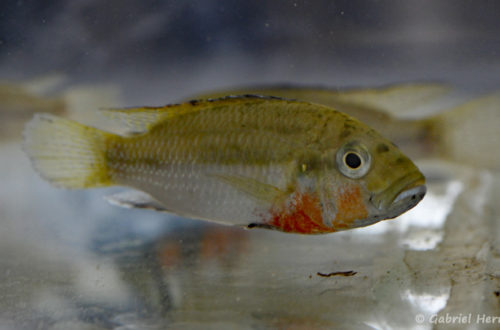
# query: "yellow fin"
258, 190
66, 153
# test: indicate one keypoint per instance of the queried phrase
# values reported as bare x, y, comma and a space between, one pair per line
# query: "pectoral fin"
259, 190
135, 199
328, 208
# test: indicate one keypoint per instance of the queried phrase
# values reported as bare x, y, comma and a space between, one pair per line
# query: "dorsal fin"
137, 120
395, 100
141, 119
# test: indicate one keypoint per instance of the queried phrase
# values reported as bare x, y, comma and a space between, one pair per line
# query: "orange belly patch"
350, 207
303, 214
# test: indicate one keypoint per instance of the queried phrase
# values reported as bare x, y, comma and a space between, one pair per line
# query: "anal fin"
135, 199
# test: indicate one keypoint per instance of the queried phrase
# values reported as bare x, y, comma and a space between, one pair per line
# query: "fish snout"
410, 197
401, 196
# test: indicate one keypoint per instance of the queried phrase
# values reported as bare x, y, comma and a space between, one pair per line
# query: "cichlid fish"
244, 160
467, 133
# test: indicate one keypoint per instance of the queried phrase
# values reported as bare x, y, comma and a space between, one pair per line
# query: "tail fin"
66, 153
470, 133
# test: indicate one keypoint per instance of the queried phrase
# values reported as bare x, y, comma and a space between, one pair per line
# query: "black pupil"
352, 160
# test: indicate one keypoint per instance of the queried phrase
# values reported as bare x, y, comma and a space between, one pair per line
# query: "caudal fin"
470, 133
66, 153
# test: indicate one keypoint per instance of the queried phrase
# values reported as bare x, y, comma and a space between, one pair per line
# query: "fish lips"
406, 200
401, 196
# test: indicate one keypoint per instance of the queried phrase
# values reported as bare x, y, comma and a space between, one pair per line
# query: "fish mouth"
401, 196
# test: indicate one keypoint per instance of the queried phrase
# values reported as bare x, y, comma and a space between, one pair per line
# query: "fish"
466, 133
249, 160
19, 101
18, 104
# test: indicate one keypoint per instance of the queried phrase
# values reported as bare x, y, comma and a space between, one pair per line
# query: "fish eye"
353, 160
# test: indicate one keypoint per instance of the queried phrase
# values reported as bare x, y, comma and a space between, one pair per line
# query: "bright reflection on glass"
425, 239
434, 208
427, 303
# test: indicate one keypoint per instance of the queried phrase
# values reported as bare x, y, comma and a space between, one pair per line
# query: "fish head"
368, 179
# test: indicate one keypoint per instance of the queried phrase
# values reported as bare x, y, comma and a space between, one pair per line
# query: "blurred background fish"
18, 103
51, 94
